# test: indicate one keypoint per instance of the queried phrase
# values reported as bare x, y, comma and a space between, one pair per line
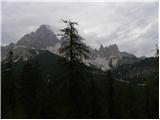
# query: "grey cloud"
132, 26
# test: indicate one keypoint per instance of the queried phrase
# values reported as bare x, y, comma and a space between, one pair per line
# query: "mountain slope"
143, 69
42, 39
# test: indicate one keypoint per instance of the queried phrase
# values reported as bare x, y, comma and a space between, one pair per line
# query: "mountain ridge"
45, 39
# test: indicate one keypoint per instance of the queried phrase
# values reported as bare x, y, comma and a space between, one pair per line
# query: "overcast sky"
133, 26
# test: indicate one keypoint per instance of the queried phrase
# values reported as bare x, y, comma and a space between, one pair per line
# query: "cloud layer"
132, 26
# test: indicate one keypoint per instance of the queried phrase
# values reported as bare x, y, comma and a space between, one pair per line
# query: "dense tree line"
31, 96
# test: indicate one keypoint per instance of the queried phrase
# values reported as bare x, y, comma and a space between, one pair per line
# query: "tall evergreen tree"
157, 51
73, 48
157, 61
74, 52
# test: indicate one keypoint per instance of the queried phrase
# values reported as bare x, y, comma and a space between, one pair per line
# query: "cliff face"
110, 55
42, 38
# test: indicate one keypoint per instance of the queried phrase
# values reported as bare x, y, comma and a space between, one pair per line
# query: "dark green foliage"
131, 98
110, 95
73, 48
53, 99
8, 88
30, 90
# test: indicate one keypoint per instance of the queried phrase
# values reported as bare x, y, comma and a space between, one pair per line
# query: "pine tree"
74, 52
157, 61
73, 48
157, 51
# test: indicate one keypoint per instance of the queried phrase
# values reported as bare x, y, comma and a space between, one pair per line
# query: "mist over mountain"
45, 39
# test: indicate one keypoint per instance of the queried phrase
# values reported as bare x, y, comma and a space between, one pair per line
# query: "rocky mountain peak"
101, 47
108, 51
44, 28
113, 47
42, 38
110, 54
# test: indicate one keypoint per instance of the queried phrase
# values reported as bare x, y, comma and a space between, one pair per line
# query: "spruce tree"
157, 51
73, 48
74, 52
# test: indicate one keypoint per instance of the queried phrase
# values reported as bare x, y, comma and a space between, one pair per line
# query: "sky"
133, 26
